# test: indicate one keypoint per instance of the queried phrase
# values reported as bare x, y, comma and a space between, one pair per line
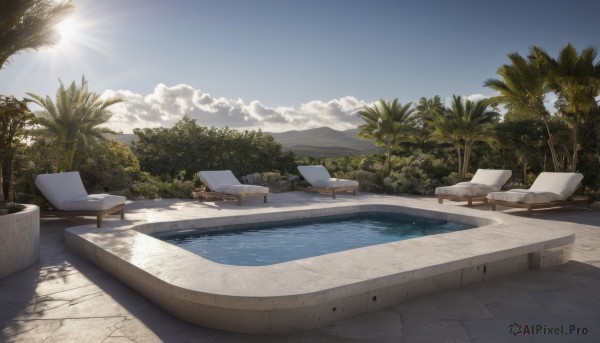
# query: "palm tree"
447, 129
74, 118
523, 89
387, 125
575, 79
463, 124
29, 25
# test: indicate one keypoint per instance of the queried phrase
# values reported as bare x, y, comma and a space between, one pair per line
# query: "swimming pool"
261, 245
317, 291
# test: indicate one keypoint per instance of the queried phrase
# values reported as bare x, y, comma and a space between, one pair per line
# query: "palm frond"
30, 25
75, 117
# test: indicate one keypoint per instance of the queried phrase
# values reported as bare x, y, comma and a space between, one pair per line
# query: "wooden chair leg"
354, 192
440, 199
333, 194
123, 214
529, 211
265, 199
98, 221
493, 205
470, 201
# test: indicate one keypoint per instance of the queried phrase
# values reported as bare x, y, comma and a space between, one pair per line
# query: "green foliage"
367, 180
575, 79
186, 146
589, 164
415, 173
14, 117
463, 124
521, 144
276, 182
423, 144
74, 118
151, 187
388, 124
273, 180
425, 111
523, 89
38, 157
105, 167
29, 25
108, 167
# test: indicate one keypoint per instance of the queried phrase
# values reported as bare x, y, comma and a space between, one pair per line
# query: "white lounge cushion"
60, 187
242, 189
547, 187
318, 176
314, 173
93, 202
334, 183
66, 192
495, 178
223, 181
218, 178
563, 184
524, 196
483, 182
465, 189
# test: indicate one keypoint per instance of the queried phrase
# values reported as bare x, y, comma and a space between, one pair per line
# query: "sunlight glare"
67, 30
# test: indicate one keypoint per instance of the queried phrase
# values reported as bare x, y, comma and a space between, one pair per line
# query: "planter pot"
19, 240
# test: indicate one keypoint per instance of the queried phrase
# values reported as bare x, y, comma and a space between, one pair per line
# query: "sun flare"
67, 30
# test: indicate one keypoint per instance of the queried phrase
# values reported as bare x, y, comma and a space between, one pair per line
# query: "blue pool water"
270, 244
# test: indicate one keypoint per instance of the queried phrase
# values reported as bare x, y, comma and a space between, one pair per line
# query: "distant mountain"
324, 142
126, 138
319, 142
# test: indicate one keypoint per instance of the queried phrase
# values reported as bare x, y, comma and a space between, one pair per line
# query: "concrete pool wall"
314, 292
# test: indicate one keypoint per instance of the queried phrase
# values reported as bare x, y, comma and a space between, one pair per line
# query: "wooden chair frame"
333, 190
530, 207
119, 209
468, 198
210, 196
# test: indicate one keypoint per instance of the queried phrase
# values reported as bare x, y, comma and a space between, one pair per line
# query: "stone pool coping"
313, 292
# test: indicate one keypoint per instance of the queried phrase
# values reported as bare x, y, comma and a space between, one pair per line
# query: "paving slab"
64, 298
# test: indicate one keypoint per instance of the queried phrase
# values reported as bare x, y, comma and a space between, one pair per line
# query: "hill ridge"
317, 142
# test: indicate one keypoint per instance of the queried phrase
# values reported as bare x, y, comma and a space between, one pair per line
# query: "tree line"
571, 135
190, 148
423, 142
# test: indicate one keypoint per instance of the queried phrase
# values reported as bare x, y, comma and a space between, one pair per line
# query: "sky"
280, 65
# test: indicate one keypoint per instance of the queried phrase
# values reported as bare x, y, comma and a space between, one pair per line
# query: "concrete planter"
19, 240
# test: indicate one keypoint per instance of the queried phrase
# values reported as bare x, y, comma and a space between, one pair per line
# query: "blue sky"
290, 64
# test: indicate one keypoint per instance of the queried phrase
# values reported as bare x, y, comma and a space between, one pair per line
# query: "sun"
67, 30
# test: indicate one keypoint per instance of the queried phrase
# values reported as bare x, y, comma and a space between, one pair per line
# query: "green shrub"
147, 186
365, 179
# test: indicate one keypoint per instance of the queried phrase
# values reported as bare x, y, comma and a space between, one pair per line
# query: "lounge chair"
66, 193
548, 190
322, 182
224, 185
483, 182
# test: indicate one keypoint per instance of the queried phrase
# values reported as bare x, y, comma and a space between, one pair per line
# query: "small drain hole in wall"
334, 309
374, 298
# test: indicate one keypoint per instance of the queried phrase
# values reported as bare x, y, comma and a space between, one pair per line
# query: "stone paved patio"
63, 298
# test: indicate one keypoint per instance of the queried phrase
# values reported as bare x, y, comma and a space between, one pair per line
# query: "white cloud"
167, 105
477, 97
472, 97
